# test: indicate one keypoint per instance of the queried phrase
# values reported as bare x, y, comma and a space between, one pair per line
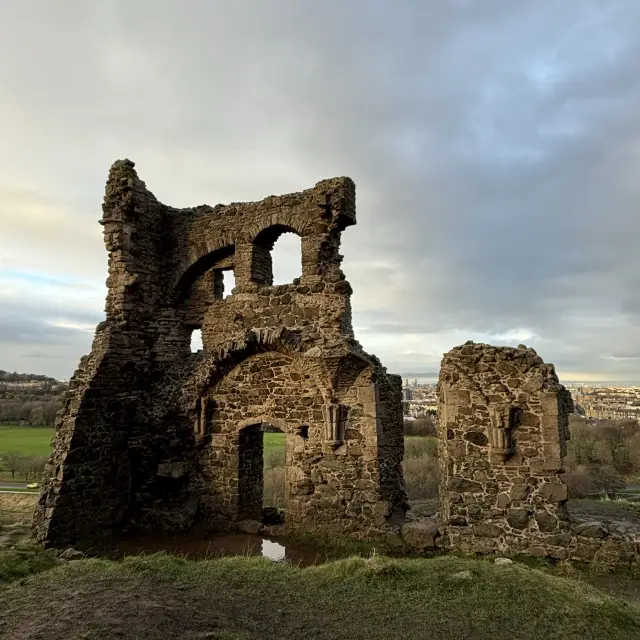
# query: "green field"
36, 441
27, 441
273, 441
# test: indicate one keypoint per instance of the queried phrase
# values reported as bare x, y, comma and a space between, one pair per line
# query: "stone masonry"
503, 427
154, 436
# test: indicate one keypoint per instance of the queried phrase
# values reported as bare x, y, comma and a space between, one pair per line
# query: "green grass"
273, 441
27, 441
160, 596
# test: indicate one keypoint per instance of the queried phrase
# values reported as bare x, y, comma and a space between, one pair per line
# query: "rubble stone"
420, 535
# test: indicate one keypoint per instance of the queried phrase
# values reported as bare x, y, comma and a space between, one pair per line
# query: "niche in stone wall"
277, 256
505, 419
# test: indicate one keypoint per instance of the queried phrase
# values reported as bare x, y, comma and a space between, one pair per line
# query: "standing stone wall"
503, 431
503, 427
152, 435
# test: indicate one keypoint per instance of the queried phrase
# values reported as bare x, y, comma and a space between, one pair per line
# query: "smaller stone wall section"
503, 430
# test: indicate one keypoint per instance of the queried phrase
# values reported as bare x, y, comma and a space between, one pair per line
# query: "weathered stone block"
546, 521
487, 530
171, 470
554, 491
420, 535
592, 530
462, 485
502, 501
518, 518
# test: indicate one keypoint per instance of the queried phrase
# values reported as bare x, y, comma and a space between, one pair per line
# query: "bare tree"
12, 461
33, 467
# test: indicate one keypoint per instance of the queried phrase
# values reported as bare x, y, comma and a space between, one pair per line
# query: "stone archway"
265, 388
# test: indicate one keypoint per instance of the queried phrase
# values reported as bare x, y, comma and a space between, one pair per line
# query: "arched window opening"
219, 260
286, 258
223, 283
196, 340
277, 256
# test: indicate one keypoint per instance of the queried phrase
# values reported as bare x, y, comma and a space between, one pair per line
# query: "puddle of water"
201, 546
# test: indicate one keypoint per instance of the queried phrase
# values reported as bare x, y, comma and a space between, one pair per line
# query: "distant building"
407, 394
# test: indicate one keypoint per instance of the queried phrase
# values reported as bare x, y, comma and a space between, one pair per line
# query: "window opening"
286, 258
196, 340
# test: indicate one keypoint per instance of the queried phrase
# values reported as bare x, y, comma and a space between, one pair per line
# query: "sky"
494, 145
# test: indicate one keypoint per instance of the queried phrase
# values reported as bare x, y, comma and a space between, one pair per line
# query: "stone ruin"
503, 427
154, 436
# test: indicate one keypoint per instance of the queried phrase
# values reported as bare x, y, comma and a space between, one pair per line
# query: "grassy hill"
447, 598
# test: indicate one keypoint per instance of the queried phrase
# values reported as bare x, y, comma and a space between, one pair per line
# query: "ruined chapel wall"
131, 437
239, 237
318, 215
330, 486
501, 424
390, 430
265, 388
321, 311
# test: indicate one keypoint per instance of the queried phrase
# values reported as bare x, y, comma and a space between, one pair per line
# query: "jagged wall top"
173, 241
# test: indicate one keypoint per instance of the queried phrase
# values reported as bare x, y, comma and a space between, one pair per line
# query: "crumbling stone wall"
503, 428
152, 435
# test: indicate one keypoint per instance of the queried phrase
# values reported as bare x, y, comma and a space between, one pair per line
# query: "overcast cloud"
495, 147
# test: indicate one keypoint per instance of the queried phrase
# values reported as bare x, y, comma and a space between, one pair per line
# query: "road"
16, 487
13, 485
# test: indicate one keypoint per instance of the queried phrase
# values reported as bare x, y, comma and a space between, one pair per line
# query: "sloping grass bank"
252, 598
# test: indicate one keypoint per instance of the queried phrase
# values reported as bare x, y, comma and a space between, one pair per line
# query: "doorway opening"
261, 474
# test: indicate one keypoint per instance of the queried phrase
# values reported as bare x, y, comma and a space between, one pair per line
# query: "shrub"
421, 468
580, 482
420, 427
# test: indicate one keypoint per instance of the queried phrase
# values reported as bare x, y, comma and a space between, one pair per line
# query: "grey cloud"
493, 145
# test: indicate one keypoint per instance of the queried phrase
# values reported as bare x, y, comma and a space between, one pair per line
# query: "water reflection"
273, 550
202, 546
